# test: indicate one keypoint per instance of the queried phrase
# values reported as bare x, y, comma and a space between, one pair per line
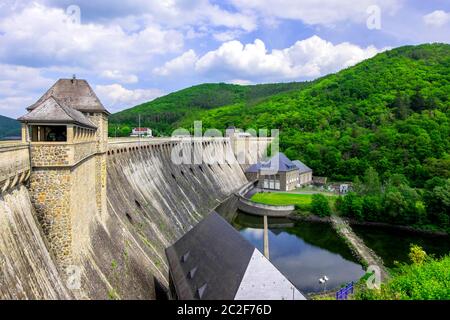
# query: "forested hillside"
9, 127
390, 112
164, 114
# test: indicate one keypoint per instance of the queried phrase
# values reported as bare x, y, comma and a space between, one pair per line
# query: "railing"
343, 293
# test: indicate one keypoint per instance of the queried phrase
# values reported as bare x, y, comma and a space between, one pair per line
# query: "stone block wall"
60, 154
100, 182
50, 154
83, 204
50, 191
66, 199
83, 150
100, 120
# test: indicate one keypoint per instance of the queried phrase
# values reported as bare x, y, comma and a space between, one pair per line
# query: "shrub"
426, 281
320, 205
417, 254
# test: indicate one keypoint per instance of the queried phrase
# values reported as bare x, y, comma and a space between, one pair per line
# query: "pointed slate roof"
213, 261
301, 166
76, 93
53, 111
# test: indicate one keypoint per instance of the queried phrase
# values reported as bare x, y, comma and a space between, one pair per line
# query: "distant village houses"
141, 132
234, 132
280, 173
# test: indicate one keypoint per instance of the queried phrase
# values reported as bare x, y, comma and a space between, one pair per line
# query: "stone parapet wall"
14, 164
51, 154
83, 150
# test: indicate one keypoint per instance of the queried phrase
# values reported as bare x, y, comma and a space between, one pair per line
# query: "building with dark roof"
69, 111
304, 172
214, 262
278, 173
67, 130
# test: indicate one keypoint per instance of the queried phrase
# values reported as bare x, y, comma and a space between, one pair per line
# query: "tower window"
48, 133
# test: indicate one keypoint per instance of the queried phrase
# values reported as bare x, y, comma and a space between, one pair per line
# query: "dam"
151, 202
90, 217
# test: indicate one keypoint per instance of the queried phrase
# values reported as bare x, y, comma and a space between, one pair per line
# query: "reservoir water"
393, 244
303, 251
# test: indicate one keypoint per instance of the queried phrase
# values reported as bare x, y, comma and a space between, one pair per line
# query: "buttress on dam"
87, 217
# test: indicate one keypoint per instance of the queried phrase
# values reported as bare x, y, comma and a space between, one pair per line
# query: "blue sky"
134, 51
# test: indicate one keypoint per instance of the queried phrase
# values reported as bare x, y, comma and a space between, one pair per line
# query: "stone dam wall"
27, 270
119, 252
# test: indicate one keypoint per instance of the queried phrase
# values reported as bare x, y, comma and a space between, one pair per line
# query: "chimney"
73, 78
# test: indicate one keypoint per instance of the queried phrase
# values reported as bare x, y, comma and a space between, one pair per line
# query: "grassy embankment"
302, 202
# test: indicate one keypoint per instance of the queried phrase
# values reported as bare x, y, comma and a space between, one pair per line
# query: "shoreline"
313, 218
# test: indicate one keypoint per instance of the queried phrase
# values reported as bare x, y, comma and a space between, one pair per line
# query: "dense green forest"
164, 114
9, 127
390, 112
394, 201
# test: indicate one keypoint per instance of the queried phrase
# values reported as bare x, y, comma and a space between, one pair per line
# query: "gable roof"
218, 252
301, 166
53, 111
254, 168
278, 163
214, 262
76, 93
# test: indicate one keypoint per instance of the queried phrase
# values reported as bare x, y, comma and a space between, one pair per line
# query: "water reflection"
393, 244
303, 252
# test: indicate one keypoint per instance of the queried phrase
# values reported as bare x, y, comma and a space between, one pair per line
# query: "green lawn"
303, 201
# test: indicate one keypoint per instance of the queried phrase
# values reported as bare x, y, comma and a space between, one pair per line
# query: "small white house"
343, 188
139, 132
233, 132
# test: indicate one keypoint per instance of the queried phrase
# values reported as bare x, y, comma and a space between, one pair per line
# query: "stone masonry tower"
67, 130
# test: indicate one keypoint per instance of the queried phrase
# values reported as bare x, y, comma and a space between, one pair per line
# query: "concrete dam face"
27, 268
118, 253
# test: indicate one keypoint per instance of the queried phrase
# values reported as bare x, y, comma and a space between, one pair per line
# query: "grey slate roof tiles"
76, 93
218, 254
51, 110
279, 162
301, 166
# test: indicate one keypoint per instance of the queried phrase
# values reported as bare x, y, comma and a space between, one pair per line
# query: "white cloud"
19, 87
170, 13
437, 18
227, 35
119, 76
180, 64
115, 96
306, 59
314, 12
39, 34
